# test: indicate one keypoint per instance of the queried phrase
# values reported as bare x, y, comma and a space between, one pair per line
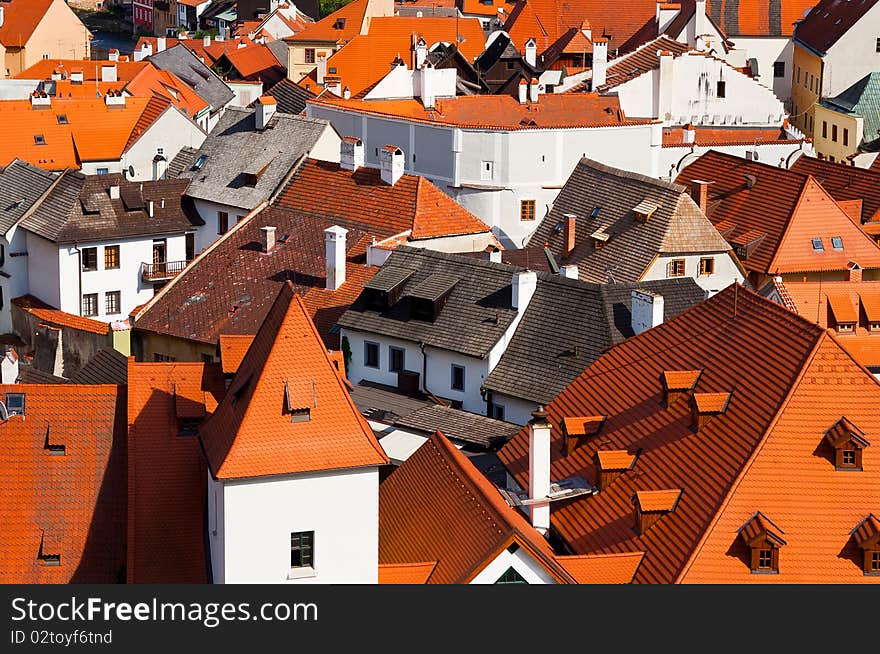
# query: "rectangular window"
778, 69
90, 304
721, 89
878, 45
845, 136
798, 76
849, 457
765, 559
837, 242
817, 244
875, 556
89, 259
457, 383
496, 411
487, 170
15, 404
112, 300
222, 222
527, 209
371, 354
103, 171
824, 129
302, 549
163, 358
396, 357
834, 133
676, 268
111, 257
707, 265
310, 55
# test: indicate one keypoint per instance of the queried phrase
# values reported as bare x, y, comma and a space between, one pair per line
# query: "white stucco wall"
853, 56
520, 561
208, 211
259, 514
43, 270
516, 410
15, 265
726, 270
674, 159
245, 92
171, 132
767, 50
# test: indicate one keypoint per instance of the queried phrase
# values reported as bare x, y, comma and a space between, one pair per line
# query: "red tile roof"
167, 85
73, 505
21, 18
640, 61
828, 21
287, 364
257, 63
329, 27
717, 336
167, 472
845, 183
499, 112
91, 70
233, 347
406, 573
787, 207
756, 17
58, 318
707, 137
413, 204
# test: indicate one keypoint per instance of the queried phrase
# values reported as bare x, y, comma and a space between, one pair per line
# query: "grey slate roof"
475, 316
183, 160
568, 325
459, 425
201, 79
291, 96
28, 374
279, 50
108, 366
384, 403
235, 146
676, 227
21, 185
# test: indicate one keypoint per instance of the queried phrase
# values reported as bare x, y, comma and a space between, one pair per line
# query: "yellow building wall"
60, 35
806, 83
849, 134
147, 344
297, 68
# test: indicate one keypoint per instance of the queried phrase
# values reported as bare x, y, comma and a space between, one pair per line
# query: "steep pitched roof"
71, 506
413, 204
845, 183
568, 325
108, 366
21, 20
201, 79
21, 186
716, 336
342, 25
235, 148
676, 225
288, 365
861, 99
782, 211
828, 21
291, 97
167, 85
206, 301
166, 472
736, 18
640, 61
257, 63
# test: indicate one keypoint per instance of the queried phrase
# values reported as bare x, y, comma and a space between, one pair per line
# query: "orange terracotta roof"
406, 573
641, 61
166, 472
501, 112
155, 107
842, 307
711, 402
71, 505
233, 347
485, 8
91, 70
438, 506
867, 531
722, 136
602, 568
413, 204
56, 317
167, 85
787, 207
681, 379
21, 18
583, 425
287, 362
329, 28
658, 500
846, 184
256, 63
615, 459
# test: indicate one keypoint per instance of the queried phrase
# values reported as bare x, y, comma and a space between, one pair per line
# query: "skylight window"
817, 245
39, 139
15, 404
594, 212
62, 119
200, 162
837, 242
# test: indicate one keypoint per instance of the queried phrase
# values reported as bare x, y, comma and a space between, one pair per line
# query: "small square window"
874, 327
765, 559
707, 265
371, 354
111, 257
496, 411
102, 171
778, 69
676, 268
845, 327
396, 359
875, 555
89, 259
457, 383
15, 404
302, 549
62, 119
527, 210
39, 139
848, 457
90, 304
817, 244
310, 55
837, 242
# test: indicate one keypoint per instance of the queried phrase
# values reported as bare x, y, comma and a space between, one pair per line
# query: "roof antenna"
735, 296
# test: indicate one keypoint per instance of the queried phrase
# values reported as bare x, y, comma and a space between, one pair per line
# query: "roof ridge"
618, 172
458, 258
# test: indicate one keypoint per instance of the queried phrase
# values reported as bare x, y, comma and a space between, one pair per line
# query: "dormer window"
15, 404
817, 245
848, 441
867, 538
578, 430
677, 384
611, 464
298, 401
428, 297
39, 139
651, 505
763, 539
705, 406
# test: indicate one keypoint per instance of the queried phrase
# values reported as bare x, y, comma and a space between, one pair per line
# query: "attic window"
298, 404
837, 242
705, 406
62, 119
867, 538
39, 139
339, 24
54, 449
847, 441
763, 539
677, 384
578, 430
651, 505
199, 162
15, 404
594, 212
611, 464
817, 245
644, 210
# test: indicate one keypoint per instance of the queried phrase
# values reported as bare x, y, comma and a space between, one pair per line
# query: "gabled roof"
91, 70
233, 347
754, 18
58, 318
438, 507
360, 198
206, 301
201, 79
235, 146
21, 186
476, 314
458, 425
828, 21
291, 96
676, 226
568, 325
73, 505
797, 360
166, 472
640, 61
342, 25
167, 85
21, 20
861, 99
845, 183
257, 63
406, 573
782, 211
108, 366
287, 366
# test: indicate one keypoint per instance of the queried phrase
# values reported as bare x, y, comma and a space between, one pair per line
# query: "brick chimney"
569, 232
267, 238
854, 272
351, 153
334, 239
108, 73
700, 194
646, 311
600, 61
392, 163
539, 469
266, 106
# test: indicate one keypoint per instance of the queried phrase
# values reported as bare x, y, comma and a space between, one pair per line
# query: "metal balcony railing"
164, 270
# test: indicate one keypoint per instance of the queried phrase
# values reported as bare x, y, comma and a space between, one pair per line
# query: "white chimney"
267, 237
494, 255
9, 366
346, 93
420, 53
523, 91
600, 61
161, 44
334, 238
351, 153
321, 67
689, 134
114, 192
77, 76
667, 89
531, 54
524, 284
206, 41
241, 44
569, 270
646, 311
113, 54
2, 20
428, 85
114, 99
539, 470
40, 100
150, 208
145, 51
392, 162
108, 73
701, 22
266, 106
533, 90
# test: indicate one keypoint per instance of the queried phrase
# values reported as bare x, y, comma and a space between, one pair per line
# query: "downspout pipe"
79, 269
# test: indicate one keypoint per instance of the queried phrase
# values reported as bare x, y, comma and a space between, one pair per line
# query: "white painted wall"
208, 211
767, 50
43, 263
245, 92
853, 56
171, 131
726, 270
259, 514
674, 159
520, 561
15, 265
516, 410
462, 243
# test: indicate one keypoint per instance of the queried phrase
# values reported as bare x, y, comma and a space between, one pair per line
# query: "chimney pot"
523, 91
534, 90
392, 163
150, 208
600, 62
494, 254
700, 194
646, 310
267, 235
265, 107
531, 53
335, 249
524, 284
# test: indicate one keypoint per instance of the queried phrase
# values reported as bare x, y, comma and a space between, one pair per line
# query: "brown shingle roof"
828, 21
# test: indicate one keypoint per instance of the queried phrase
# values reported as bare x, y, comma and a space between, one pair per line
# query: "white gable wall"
726, 270
520, 561
170, 132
